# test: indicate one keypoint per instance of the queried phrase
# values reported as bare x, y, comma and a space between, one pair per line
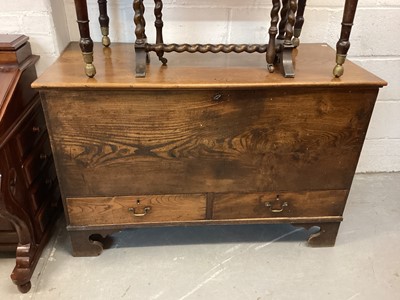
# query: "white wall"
375, 42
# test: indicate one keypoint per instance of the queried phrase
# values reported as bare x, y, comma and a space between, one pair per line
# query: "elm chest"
216, 140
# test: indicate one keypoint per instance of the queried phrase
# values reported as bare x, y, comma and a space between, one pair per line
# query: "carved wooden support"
86, 42
343, 45
283, 20
140, 43
273, 31
159, 25
89, 243
325, 237
299, 22
26, 257
204, 48
104, 21
286, 55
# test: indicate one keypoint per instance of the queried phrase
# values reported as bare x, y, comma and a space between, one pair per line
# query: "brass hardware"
217, 97
35, 129
339, 70
145, 211
274, 210
90, 70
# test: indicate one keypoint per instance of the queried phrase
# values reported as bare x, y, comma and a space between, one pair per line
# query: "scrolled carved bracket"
325, 237
89, 243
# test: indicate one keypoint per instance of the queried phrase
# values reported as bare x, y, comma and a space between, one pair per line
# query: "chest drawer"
136, 209
273, 205
31, 131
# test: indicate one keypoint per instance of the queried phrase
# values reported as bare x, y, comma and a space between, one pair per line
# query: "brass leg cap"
90, 70
271, 68
106, 41
338, 71
296, 41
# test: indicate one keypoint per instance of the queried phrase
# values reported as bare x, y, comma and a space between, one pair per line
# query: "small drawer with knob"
37, 160
279, 205
99, 211
30, 133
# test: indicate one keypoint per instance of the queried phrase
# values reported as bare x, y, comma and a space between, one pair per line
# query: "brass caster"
90, 70
106, 41
338, 71
271, 68
296, 41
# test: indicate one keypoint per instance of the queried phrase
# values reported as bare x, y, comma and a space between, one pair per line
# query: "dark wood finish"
272, 205
273, 31
299, 22
159, 25
102, 211
9, 46
224, 147
27, 213
343, 45
89, 243
104, 21
236, 140
290, 25
86, 43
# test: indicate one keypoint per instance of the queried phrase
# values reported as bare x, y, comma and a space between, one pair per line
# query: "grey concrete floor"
234, 262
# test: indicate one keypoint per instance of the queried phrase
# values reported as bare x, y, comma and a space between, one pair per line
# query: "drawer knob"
276, 206
145, 211
36, 129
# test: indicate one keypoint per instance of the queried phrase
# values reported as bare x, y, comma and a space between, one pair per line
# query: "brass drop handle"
145, 211
276, 210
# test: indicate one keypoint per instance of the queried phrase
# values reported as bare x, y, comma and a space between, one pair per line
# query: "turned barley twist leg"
142, 9
287, 59
343, 45
86, 42
273, 30
284, 19
104, 21
159, 25
140, 42
299, 22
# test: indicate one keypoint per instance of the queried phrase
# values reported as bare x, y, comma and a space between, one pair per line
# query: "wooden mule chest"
212, 141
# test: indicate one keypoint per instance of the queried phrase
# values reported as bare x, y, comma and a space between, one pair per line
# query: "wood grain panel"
189, 141
304, 204
118, 210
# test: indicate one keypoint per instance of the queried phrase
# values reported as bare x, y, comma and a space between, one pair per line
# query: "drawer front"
37, 160
270, 205
46, 184
136, 209
30, 133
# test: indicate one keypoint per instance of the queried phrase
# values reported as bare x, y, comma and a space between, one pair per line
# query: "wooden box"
217, 140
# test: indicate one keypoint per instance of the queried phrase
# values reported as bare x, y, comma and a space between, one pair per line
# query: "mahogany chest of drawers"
212, 141
29, 193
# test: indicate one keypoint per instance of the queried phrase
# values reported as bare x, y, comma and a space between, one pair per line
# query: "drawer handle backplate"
275, 203
145, 211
